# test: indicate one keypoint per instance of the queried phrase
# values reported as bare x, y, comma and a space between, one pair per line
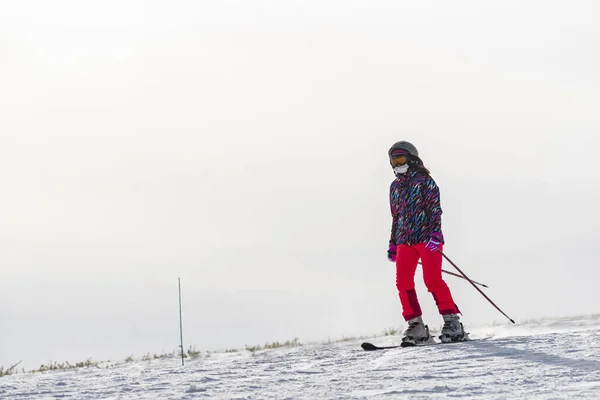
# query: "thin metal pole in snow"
180, 322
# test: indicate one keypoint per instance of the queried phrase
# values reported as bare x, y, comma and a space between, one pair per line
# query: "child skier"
417, 233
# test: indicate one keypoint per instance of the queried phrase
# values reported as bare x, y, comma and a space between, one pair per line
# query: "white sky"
242, 146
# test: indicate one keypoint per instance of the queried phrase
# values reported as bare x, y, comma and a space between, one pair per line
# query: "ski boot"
453, 330
416, 334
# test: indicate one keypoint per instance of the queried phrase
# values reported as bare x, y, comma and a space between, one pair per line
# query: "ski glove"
392, 252
435, 242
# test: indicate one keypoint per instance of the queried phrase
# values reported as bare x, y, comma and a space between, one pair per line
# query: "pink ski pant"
407, 258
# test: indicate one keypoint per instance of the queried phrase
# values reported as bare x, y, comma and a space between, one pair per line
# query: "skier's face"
398, 161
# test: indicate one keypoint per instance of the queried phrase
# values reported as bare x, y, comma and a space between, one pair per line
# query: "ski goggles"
397, 153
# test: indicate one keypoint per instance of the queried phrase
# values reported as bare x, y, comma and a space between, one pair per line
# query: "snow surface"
544, 359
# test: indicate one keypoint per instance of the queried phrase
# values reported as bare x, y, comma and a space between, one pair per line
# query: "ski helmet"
403, 145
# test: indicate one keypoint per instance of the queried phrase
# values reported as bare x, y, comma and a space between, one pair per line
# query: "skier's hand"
391, 254
435, 242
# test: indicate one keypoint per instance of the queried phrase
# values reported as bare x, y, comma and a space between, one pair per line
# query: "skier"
417, 233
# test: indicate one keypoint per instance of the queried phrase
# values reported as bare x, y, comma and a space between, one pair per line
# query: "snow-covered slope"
552, 358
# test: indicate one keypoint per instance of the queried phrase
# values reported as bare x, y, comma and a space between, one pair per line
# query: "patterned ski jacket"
415, 206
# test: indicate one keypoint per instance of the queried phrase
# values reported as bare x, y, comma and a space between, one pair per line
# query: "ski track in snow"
543, 360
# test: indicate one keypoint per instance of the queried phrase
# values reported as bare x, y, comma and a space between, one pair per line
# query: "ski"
366, 346
371, 347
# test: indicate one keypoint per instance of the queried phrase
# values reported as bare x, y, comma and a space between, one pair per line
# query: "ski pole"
461, 277
479, 290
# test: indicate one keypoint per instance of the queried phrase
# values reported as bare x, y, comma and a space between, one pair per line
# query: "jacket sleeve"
433, 207
394, 217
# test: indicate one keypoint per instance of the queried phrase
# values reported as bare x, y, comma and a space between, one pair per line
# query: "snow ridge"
550, 358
